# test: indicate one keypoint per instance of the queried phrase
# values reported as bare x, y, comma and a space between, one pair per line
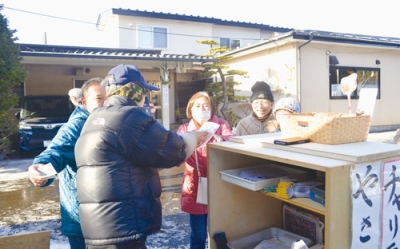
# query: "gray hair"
75, 92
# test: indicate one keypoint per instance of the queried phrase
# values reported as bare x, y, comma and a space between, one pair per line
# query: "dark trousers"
76, 242
198, 235
134, 244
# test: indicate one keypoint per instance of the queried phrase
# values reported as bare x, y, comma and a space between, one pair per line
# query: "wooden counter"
239, 212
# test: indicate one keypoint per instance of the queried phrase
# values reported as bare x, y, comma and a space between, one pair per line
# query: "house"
158, 44
174, 33
309, 65
56, 69
305, 64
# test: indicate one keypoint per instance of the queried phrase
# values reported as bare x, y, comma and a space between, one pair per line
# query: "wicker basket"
326, 128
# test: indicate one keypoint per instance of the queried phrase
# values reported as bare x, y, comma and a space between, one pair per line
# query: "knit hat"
289, 104
124, 74
261, 90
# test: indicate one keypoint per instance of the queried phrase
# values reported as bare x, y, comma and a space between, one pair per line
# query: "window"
366, 78
229, 43
79, 83
152, 37
235, 44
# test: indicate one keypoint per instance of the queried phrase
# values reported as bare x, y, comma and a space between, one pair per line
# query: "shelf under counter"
305, 203
239, 212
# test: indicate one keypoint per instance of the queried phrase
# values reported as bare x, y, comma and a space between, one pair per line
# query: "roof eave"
342, 38
210, 20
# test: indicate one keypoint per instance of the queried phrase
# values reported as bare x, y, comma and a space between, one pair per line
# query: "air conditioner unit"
82, 71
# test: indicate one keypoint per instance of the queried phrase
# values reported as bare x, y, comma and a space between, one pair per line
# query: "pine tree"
12, 74
221, 91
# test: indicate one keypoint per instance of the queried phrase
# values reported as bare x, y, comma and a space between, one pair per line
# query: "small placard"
366, 102
47, 171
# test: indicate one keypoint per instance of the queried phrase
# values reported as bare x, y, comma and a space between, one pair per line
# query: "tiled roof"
328, 36
179, 17
106, 53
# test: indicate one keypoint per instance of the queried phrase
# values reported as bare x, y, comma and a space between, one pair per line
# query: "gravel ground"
26, 209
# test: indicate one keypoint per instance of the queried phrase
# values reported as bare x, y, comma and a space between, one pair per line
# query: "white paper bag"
202, 191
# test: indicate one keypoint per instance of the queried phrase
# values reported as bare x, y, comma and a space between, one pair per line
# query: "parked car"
40, 118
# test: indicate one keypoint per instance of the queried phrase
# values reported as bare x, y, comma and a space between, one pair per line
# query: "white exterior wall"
182, 35
277, 67
121, 32
306, 74
111, 32
245, 35
315, 79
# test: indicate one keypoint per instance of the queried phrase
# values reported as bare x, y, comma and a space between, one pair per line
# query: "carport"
56, 69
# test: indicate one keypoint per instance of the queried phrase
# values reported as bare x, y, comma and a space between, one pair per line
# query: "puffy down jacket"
190, 177
118, 155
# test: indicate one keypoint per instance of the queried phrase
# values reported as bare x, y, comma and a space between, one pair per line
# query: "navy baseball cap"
124, 74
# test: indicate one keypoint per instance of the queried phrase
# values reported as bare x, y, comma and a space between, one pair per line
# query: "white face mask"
201, 116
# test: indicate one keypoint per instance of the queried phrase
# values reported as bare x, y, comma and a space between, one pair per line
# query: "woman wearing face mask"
199, 110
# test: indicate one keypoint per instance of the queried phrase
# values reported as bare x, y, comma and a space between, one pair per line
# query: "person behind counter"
261, 120
286, 105
199, 111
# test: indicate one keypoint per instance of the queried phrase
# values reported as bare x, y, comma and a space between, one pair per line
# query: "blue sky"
73, 22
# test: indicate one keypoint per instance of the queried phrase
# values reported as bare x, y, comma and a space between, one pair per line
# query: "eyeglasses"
261, 102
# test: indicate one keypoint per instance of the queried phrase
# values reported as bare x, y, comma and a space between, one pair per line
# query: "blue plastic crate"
317, 194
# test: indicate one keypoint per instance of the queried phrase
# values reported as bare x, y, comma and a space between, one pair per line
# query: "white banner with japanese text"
375, 189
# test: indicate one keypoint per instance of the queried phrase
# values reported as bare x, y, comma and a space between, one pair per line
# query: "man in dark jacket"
118, 154
60, 153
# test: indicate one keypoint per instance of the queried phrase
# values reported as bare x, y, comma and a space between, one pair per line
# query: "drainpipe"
299, 65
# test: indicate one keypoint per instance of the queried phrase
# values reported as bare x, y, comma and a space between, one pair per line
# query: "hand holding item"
35, 176
218, 138
201, 136
210, 128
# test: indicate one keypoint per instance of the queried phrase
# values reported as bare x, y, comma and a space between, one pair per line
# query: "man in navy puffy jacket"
118, 154
60, 153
